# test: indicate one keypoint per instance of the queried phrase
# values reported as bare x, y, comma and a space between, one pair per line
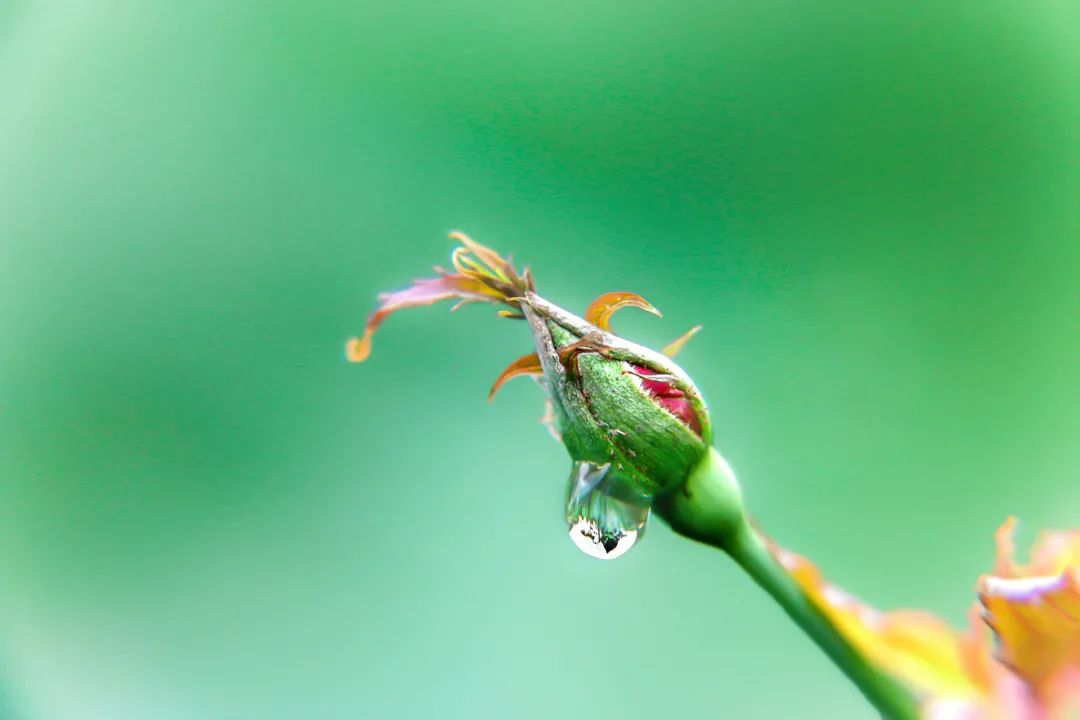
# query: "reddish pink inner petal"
670, 398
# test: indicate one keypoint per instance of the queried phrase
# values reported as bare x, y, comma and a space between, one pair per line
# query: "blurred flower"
632, 420
1033, 612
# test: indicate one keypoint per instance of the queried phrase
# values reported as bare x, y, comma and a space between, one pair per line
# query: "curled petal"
1034, 611
494, 263
464, 264
524, 365
421, 292
672, 348
602, 308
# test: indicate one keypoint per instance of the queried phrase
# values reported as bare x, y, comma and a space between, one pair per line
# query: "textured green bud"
634, 423
617, 402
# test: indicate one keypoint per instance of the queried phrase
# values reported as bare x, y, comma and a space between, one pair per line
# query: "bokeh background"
205, 512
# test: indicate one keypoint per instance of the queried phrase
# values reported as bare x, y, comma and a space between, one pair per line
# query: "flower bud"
617, 402
634, 423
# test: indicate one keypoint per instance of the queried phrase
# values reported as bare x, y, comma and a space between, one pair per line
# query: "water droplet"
606, 514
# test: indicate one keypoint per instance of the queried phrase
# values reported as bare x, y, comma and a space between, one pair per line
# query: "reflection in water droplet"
605, 514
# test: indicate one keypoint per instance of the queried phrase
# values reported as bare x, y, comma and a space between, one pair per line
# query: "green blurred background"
205, 512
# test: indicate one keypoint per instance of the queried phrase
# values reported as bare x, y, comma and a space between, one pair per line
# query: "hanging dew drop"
605, 516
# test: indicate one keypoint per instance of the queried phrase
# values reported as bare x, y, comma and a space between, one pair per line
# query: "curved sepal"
602, 308
675, 346
524, 365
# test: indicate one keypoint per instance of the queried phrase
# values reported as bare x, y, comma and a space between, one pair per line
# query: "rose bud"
633, 422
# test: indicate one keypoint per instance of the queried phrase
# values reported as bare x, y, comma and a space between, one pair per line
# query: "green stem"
709, 509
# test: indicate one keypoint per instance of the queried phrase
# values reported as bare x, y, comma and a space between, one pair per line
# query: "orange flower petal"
524, 365
1037, 622
672, 348
602, 308
1034, 611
